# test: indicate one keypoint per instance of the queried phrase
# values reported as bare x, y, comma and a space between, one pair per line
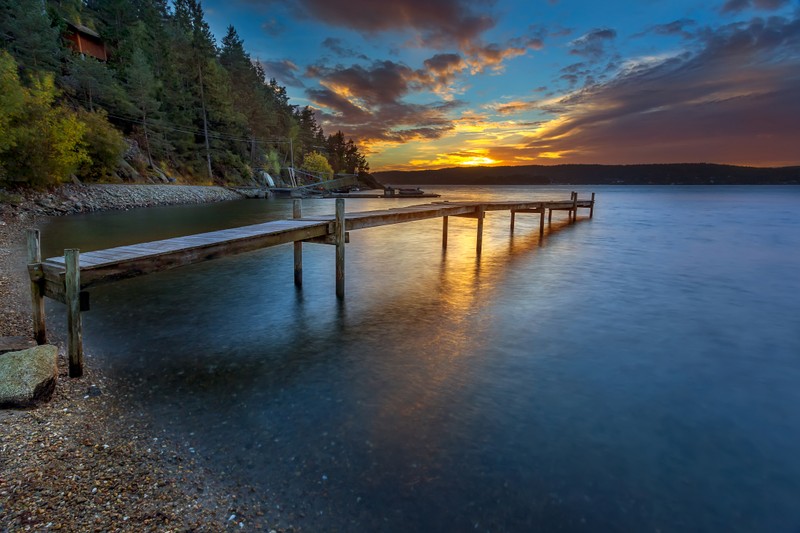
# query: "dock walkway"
67, 278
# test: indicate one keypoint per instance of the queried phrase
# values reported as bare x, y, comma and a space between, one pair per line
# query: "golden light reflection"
452, 301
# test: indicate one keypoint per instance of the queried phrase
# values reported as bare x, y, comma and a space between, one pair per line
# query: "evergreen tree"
344, 156
27, 31
142, 87
93, 83
199, 109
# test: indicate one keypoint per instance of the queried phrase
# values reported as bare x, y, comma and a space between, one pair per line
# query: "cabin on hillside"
86, 41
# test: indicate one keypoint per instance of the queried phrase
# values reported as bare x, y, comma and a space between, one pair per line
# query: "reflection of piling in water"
66, 278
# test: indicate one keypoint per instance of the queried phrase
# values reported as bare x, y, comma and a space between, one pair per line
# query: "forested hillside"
163, 93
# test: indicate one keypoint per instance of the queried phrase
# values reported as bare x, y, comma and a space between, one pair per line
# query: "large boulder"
28, 377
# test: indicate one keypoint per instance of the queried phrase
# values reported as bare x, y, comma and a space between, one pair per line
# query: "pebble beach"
85, 461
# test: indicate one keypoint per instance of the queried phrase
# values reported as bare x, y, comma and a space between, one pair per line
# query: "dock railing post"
444, 233
591, 208
479, 244
297, 212
339, 236
74, 329
37, 296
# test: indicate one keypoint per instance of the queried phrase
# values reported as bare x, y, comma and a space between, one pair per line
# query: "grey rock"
28, 377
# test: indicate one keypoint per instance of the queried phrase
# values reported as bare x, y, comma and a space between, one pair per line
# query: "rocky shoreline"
85, 461
76, 198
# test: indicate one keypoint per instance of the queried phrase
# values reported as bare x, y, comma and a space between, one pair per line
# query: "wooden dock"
66, 279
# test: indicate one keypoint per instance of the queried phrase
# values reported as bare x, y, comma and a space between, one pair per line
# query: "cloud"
335, 45
735, 6
676, 27
284, 71
273, 26
692, 106
550, 30
491, 56
440, 73
592, 44
514, 107
439, 23
367, 102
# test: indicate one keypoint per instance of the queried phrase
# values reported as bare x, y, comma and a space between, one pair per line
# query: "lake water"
639, 371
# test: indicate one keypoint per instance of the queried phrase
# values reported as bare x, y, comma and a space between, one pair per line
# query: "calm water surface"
639, 371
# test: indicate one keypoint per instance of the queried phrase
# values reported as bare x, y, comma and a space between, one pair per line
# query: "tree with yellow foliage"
41, 142
317, 164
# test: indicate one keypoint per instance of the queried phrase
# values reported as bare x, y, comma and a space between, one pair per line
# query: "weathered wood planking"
103, 266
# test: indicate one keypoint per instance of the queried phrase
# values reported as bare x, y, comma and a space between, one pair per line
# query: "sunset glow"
422, 84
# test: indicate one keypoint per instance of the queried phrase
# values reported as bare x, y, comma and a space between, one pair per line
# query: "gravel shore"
86, 461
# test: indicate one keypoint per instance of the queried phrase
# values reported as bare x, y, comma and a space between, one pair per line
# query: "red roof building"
86, 41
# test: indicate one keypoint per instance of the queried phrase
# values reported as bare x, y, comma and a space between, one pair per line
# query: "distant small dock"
66, 279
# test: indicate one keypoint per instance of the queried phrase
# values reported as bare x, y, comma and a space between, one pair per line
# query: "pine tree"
142, 87
26, 31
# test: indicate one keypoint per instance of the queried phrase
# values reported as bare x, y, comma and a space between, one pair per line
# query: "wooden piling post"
550, 216
37, 296
541, 224
339, 230
513, 213
444, 233
574, 206
479, 244
297, 212
74, 329
591, 208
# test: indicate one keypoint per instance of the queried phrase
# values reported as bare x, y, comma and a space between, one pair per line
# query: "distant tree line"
204, 111
647, 174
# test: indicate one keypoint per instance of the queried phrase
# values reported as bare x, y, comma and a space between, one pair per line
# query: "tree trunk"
147, 139
205, 122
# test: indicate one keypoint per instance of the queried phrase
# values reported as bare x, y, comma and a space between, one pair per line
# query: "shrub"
104, 145
316, 163
42, 142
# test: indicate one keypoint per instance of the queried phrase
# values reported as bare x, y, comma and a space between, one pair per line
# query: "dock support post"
591, 208
479, 244
297, 212
444, 233
74, 330
339, 230
541, 224
574, 206
37, 296
513, 213
550, 217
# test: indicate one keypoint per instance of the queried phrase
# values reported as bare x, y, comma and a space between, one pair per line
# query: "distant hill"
666, 174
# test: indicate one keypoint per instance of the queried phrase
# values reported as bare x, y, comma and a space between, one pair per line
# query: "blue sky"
430, 84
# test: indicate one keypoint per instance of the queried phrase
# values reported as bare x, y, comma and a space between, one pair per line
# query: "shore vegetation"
158, 91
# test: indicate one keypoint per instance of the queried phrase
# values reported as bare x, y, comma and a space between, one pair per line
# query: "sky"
424, 84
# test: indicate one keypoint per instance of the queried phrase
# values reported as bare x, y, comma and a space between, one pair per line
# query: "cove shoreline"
85, 459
